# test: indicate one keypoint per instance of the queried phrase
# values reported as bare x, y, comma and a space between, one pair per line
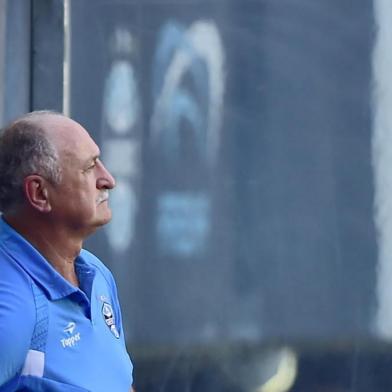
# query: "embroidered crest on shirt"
108, 316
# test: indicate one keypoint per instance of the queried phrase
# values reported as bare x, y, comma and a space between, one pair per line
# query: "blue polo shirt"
53, 336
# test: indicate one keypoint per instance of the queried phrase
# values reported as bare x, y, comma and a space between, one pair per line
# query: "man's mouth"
103, 196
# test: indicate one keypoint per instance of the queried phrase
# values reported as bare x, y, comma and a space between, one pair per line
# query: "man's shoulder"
15, 287
12, 273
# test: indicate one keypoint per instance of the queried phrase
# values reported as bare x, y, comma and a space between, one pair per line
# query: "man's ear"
36, 192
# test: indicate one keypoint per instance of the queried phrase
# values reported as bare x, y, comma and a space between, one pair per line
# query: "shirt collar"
33, 263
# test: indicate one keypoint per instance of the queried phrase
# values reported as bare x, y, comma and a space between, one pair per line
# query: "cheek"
88, 187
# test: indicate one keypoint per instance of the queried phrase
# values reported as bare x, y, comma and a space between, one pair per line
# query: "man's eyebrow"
93, 158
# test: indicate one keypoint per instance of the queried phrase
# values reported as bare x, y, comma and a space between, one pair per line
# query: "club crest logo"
108, 316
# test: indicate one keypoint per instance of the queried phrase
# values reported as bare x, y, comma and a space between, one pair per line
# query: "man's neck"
58, 247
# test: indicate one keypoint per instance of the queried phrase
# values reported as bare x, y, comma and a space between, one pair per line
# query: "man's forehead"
69, 136
72, 142
58, 125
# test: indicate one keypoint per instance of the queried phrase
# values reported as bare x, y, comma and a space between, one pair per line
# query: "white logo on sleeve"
71, 339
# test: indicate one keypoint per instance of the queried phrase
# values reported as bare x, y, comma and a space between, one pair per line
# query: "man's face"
80, 201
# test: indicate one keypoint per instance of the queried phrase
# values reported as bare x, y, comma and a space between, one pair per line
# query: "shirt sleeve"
17, 318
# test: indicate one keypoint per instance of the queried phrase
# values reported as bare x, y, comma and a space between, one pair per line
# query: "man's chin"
105, 218
96, 225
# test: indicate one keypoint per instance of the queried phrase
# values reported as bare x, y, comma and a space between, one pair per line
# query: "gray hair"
24, 150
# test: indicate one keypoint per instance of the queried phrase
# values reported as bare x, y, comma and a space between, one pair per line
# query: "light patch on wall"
382, 162
201, 41
122, 157
121, 141
121, 97
183, 223
123, 203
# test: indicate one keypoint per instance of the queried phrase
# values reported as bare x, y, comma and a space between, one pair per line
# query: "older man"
60, 320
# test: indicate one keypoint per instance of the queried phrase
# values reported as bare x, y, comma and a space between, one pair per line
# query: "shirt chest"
85, 346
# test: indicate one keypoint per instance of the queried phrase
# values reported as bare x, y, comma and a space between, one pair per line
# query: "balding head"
26, 148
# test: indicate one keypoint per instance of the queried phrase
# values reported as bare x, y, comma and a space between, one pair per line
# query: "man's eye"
91, 167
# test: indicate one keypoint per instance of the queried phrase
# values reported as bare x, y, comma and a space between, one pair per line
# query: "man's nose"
104, 179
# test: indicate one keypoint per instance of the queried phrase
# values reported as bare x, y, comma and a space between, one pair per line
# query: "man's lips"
104, 196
